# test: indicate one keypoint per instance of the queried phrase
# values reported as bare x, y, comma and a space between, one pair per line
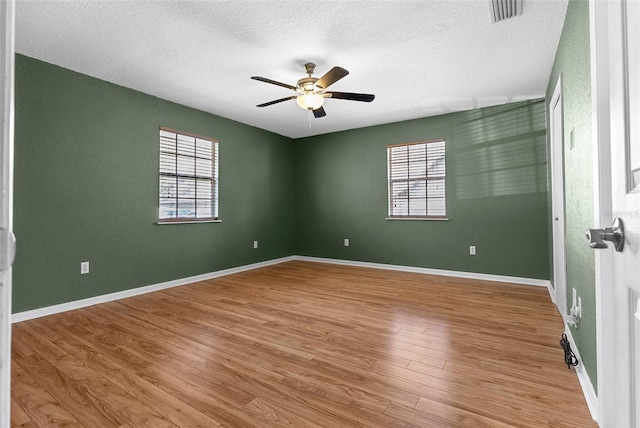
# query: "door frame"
603, 212
558, 201
7, 60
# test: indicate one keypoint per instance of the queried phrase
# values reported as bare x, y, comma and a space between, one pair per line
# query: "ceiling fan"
312, 91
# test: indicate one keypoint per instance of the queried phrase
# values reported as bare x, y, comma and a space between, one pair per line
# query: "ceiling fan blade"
270, 103
331, 77
274, 82
319, 112
367, 98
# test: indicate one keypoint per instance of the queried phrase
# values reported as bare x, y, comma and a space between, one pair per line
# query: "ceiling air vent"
504, 9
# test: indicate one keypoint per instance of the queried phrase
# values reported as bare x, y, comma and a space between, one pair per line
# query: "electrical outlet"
472, 250
255, 244
84, 268
346, 242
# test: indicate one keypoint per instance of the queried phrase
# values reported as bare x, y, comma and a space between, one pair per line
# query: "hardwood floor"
302, 344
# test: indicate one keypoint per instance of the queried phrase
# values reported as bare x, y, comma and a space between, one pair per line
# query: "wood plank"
18, 416
87, 392
41, 408
459, 417
302, 344
263, 410
173, 409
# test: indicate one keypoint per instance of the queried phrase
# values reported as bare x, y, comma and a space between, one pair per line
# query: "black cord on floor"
570, 358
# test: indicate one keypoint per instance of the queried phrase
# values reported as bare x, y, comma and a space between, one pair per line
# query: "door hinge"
7, 248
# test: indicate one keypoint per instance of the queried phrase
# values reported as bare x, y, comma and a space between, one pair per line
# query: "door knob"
614, 234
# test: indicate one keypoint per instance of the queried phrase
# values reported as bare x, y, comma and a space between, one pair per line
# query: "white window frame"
188, 147
394, 151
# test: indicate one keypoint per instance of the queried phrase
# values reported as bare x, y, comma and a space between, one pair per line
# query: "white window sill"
419, 218
160, 222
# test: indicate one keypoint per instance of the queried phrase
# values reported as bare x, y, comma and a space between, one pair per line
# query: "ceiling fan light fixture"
310, 101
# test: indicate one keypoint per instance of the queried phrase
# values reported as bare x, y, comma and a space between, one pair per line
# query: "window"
188, 177
416, 174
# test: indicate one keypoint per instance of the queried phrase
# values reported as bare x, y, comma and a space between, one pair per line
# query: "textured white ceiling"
420, 58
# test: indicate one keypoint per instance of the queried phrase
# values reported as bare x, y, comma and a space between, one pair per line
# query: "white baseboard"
583, 378
77, 304
552, 292
429, 271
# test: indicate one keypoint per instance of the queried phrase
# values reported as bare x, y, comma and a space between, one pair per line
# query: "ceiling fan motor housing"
307, 84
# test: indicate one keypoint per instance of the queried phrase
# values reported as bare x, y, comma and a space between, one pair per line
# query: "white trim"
429, 271
195, 221
77, 304
600, 122
7, 112
417, 218
552, 293
558, 211
583, 377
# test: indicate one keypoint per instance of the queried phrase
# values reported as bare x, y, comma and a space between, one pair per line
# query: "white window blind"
417, 174
188, 177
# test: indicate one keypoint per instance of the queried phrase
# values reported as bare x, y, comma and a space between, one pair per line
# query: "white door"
556, 125
616, 25
7, 13
624, 42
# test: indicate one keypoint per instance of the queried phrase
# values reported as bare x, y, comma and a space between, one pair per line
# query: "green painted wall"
573, 62
86, 188
496, 194
86, 168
